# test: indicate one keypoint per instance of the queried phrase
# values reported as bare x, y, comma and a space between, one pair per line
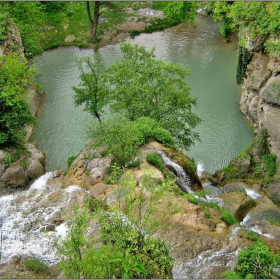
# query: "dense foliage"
121, 138
255, 262
255, 17
144, 86
122, 249
15, 77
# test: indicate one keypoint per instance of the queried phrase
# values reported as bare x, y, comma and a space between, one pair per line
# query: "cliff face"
260, 103
20, 166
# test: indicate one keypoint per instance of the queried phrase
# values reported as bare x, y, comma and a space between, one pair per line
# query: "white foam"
41, 182
252, 193
61, 230
200, 169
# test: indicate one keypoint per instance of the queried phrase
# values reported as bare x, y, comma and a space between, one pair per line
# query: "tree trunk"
94, 19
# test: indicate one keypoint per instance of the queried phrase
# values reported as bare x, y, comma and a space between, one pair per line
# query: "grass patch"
36, 265
155, 160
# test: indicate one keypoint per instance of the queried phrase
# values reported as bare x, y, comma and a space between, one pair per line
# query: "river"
224, 131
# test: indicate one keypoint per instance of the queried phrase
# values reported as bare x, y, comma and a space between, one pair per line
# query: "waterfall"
183, 179
31, 220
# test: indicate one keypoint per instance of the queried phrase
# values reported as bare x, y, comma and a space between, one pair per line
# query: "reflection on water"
224, 131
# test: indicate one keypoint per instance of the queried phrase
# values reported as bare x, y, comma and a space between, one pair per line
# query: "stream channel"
224, 131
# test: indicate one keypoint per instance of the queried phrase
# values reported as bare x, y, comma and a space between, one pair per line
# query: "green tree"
94, 17
140, 204
255, 262
143, 86
15, 78
184, 10
29, 17
93, 91
260, 19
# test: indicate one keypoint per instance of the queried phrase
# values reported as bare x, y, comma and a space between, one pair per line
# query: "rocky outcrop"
13, 42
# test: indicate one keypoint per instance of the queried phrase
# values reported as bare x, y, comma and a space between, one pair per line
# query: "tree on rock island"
144, 86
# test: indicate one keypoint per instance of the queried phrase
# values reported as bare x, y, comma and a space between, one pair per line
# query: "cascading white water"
200, 169
183, 179
31, 220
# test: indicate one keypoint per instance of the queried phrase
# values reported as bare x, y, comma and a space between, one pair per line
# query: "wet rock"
15, 176
238, 203
34, 169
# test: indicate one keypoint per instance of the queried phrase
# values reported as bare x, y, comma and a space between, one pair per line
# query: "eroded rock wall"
260, 103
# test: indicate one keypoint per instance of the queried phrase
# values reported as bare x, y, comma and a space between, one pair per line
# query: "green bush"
12, 156
258, 262
3, 25
36, 265
243, 60
146, 127
155, 160
163, 136
119, 137
15, 78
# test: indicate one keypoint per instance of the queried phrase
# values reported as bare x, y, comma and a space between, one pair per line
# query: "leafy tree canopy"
183, 10
259, 18
143, 86
15, 77
93, 89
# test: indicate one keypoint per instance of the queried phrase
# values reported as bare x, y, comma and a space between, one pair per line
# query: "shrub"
15, 78
228, 217
35, 265
155, 160
163, 136
257, 261
146, 127
119, 137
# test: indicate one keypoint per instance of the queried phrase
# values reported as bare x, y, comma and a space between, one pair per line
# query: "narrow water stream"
224, 131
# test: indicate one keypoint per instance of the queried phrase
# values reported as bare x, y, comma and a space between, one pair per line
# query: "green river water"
224, 131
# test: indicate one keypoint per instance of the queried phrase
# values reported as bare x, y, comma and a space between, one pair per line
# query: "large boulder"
22, 171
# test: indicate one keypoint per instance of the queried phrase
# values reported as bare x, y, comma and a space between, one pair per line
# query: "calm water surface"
224, 131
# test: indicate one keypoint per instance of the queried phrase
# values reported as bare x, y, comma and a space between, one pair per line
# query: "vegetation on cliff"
124, 248
252, 19
15, 78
